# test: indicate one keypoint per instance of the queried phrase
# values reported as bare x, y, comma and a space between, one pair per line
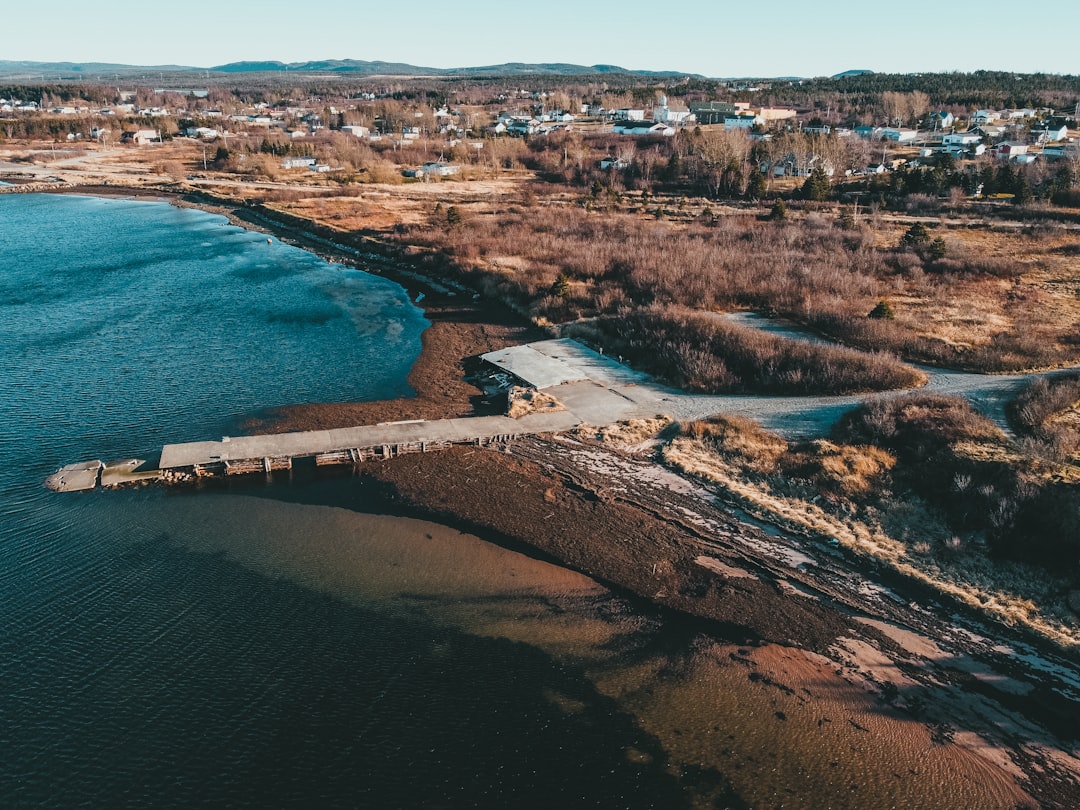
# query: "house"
963, 143
614, 163
356, 130
298, 163
1050, 132
519, 127
795, 166
899, 135
630, 115
1058, 152
643, 128
663, 114
712, 112
821, 129
205, 133
1012, 150
942, 119
141, 137
776, 114
868, 132
742, 121
984, 117
992, 132
439, 169
961, 139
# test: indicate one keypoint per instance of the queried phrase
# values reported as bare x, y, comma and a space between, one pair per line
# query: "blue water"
228, 648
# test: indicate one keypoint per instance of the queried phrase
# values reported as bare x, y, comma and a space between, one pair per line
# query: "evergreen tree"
1023, 193
883, 311
561, 287
816, 186
779, 211
916, 238
755, 187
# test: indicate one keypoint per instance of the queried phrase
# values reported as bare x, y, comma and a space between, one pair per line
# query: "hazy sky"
775, 38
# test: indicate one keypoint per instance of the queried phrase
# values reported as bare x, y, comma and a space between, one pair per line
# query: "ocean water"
265, 645
288, 643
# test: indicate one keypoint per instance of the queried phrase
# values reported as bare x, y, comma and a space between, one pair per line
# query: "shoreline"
463, 325
524, 497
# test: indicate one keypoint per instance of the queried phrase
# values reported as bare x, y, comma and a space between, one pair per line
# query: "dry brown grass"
631, 434
862, 512
523, 401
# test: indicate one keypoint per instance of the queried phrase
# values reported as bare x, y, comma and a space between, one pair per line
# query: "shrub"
883, 311
703, 353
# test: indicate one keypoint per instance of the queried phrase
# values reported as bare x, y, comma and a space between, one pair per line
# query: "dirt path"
988, 393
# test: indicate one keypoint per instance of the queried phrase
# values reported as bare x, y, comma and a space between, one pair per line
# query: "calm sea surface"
282, 644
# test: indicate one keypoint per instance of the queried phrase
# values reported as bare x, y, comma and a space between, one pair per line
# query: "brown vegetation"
920, 483
974, 308
1047, 413
701, 352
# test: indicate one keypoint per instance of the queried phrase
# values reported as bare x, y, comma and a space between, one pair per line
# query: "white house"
984, 117
630, 115
960, 140
206, 133
942, 119
898, 135
439, 169
742, 121
1011, 150
663, 114
142, 137
992, 132
1050, 132
613, 163
298, 163
356, 130
643, 128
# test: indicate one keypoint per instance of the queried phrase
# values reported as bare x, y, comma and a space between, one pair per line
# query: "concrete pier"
277, 450
589, 387
75, 477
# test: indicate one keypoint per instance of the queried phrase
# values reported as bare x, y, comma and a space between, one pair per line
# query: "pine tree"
882, 312
916, 238
816, 186
561, 287
755, 187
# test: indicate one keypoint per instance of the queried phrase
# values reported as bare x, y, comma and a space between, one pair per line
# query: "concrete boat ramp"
589, 388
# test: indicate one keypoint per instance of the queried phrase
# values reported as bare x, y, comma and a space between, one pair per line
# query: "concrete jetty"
275, 451
589, 388
75, 477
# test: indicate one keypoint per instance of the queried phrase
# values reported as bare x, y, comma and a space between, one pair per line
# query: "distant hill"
50, 71
377, 68
848, 73
103, 71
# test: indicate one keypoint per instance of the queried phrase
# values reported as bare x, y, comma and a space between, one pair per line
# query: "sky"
716, 39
